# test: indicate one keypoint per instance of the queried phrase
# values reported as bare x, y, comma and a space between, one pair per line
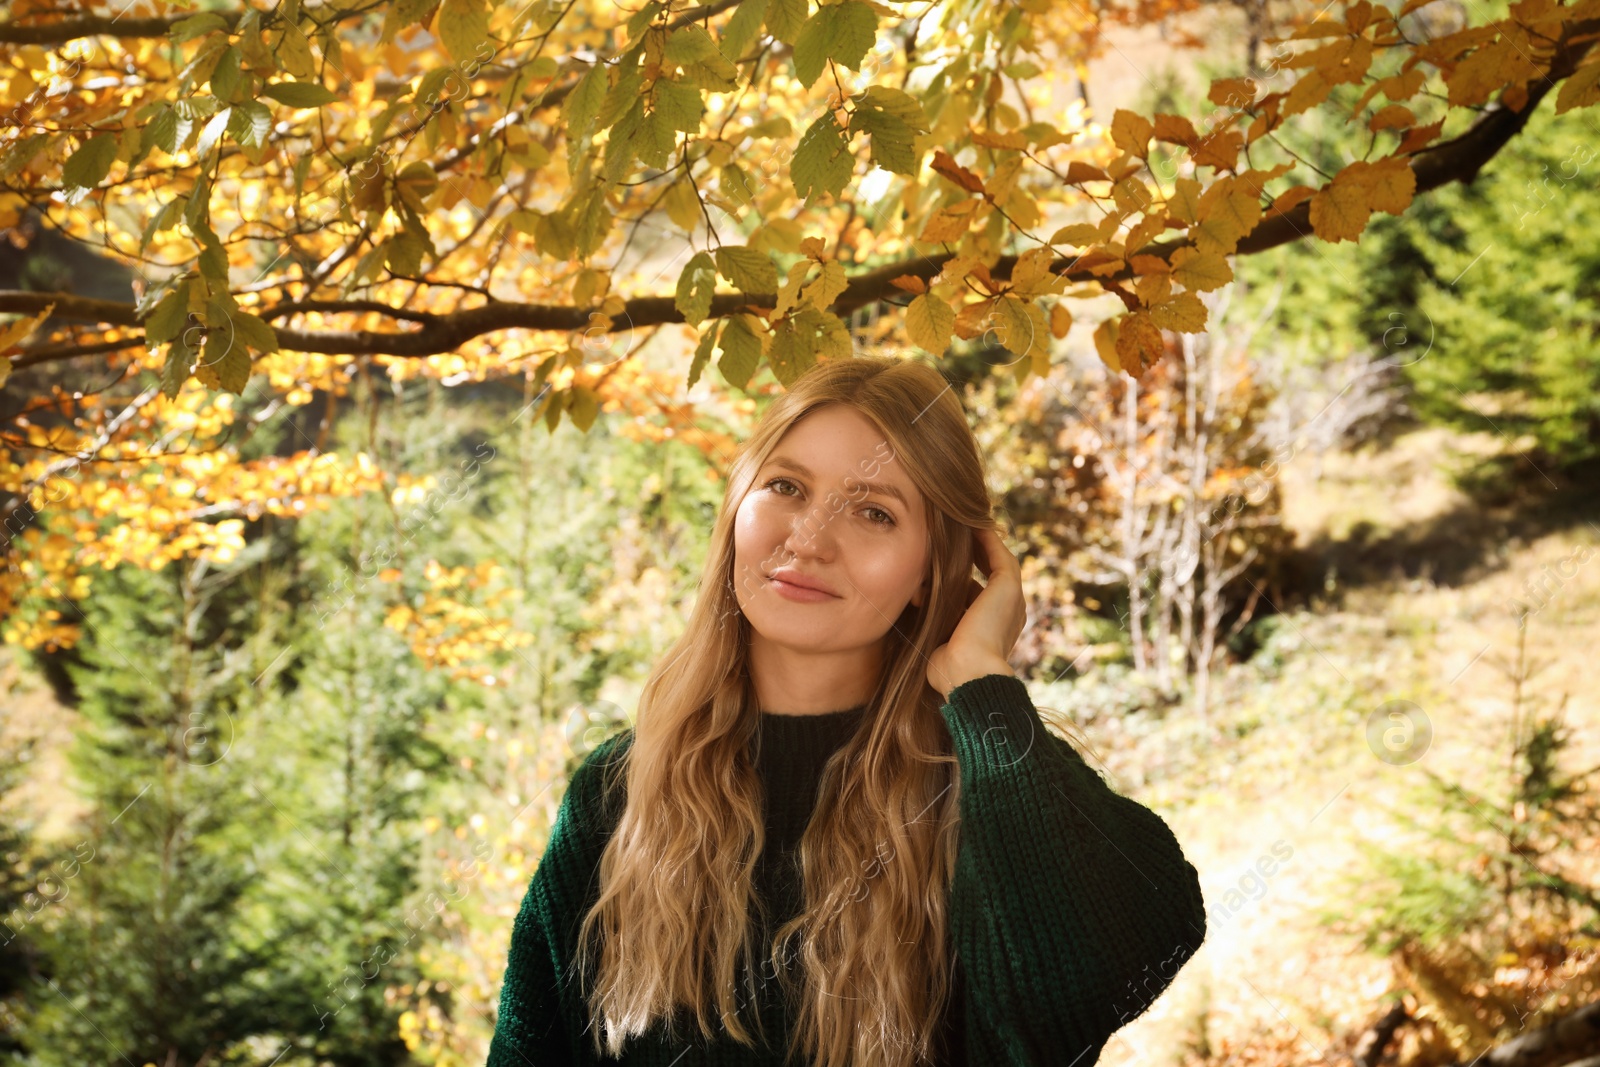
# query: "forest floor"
1422, 583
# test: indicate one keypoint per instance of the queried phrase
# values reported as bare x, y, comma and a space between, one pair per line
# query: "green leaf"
833, 336
195, 108
689, 44
403, 253
642, 18
715, 73
582, 105
300, 94
463, 25
841, 32
164, 219
655, 140
743, 29
212, 133
785, 18
584, 407
90, 164
702, 353
683, 205
811, 50
794, 349
20, 153
750, 270
679, 105
696, 285
620, 145
168, 317
179, 365
224, 362
896, 102
213, 260
428, 88
892, 117
592, 220
641, 135
822, 161
198, 70
623, 95
891, 139
255, 332
403, 13
553, 235
249, 123
741, 352
737, 185
162, 130
195, 26
929, 323
225, 76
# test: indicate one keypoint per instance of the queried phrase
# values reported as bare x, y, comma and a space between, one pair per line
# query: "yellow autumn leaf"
1184, 204
1031, 276
1060, 321
822, 292
1020, 326
1131, 132
949, 223
1139, 343
1393, 117
1077, 234
1582, 89
1391, 184
1183, 313
13, 333
1175, 129
1105, 343
929, 323
1339, 212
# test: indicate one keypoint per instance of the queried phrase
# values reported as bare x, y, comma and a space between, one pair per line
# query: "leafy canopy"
467, 190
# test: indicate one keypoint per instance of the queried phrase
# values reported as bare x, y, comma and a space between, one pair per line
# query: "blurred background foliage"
283, 809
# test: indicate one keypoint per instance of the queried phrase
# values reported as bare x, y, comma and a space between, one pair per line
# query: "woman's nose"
813, 529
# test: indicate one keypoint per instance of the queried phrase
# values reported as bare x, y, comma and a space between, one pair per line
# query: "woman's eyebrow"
881, 488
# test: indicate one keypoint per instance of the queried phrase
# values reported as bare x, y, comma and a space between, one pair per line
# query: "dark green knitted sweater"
1071, 909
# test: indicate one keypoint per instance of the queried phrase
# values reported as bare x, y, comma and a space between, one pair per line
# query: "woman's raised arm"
1072, 906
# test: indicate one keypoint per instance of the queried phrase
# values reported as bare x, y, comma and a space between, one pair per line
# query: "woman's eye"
881, 517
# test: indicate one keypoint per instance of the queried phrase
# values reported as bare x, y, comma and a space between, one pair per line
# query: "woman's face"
831, 507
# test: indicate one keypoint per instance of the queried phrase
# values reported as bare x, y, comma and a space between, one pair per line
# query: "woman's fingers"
993, 553
981, 551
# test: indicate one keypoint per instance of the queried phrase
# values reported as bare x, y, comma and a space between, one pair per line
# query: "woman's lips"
799, 593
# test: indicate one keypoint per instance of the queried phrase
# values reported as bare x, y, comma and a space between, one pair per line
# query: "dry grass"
1288, 764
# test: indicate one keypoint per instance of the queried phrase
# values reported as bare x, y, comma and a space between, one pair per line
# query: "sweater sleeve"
1071, 907
532, 1027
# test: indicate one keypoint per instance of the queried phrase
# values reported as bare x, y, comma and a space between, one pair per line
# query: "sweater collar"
790, 753
807, 738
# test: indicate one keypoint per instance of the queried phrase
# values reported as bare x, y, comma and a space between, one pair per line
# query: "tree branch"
1458, 160
97, 26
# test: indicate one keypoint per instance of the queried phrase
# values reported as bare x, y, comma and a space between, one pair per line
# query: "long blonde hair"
674, 909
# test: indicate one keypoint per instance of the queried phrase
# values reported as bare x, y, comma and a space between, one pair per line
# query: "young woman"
839, 833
